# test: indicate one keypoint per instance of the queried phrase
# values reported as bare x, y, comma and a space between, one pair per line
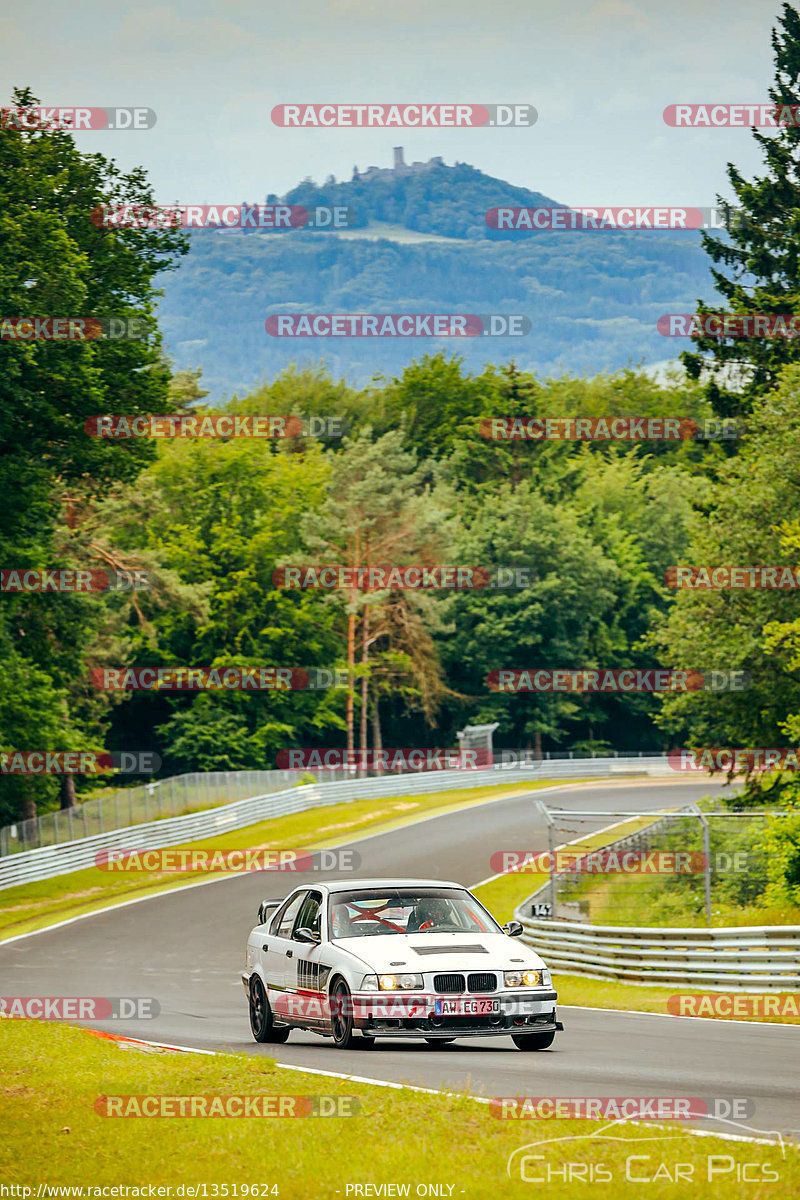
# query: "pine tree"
760, 259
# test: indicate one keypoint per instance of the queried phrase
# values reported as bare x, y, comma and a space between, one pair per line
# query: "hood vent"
476, 948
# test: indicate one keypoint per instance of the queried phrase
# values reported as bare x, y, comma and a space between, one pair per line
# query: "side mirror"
265, 910
513, 928
310, 935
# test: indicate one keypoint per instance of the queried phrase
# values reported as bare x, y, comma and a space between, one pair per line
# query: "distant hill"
434, 198
593, 297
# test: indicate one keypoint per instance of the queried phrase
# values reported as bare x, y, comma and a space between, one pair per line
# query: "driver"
431, 912
342, 925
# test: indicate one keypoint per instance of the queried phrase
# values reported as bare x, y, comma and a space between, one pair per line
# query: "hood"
419, 952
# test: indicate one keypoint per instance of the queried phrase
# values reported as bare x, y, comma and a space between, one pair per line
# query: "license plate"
466, 1007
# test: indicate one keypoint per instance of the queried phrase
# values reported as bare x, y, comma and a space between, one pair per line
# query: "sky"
598, 74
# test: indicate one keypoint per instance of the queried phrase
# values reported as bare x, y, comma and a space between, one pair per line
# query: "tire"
439, 1041
261, 1022
533, 1041
344, 1035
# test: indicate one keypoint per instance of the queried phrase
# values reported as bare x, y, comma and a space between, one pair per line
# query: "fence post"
707, 860
553, 875
707, 868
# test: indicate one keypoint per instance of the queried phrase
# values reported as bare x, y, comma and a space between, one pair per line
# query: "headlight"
547, 978
369, 983
528, 978
400, 983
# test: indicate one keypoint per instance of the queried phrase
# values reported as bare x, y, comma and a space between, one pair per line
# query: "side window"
284, 918
310, 915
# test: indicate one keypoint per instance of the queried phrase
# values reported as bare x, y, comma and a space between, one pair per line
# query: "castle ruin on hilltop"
400, 167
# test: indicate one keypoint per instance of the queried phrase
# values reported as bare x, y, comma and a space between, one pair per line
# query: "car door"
277, 950
311, 970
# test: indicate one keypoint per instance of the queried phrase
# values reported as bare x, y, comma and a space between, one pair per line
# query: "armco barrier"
743, 958
181, 794
47, 861
748, 958
121, 807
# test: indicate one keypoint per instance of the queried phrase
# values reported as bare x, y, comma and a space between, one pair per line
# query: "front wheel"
344, 1037
533, 1041
261, 1022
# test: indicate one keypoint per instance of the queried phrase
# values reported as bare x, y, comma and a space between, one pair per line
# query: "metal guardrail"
179, 794
47, 861
748, 958
122, 807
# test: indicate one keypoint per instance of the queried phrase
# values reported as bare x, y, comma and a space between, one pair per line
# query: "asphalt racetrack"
186, 949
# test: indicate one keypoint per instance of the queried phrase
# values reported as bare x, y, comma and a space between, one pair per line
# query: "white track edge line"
413, 1087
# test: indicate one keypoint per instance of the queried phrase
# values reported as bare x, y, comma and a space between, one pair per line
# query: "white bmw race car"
401, 958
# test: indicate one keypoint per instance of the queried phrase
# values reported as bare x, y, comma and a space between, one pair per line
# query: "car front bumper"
410, 1015
405, 1015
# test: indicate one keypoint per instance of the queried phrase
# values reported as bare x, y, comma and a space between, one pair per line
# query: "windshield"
407, 910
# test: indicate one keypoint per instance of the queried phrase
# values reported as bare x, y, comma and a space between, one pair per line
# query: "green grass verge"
52, 1133
32, 906
656, 900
